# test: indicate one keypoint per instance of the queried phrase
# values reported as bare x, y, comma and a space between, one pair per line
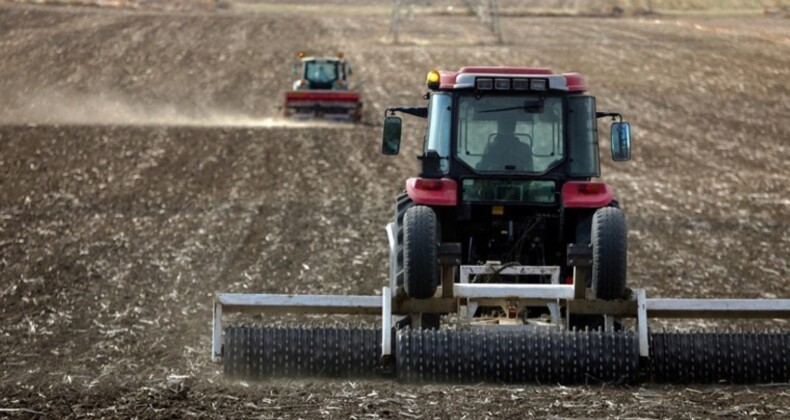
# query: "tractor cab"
321, 73
509, 123
508, 159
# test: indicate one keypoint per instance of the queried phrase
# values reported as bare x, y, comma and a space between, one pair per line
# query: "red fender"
433, 192
590, 195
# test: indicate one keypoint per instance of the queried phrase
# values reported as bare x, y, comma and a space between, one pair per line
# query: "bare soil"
143, 168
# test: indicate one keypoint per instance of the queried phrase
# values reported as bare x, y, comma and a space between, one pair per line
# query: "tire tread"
610, 248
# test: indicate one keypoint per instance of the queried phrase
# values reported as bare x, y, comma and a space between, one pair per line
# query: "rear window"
510, 133
509, 191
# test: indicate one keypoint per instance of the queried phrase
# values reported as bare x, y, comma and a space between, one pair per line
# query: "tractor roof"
313, 58
320, 58
465, 77
303, 57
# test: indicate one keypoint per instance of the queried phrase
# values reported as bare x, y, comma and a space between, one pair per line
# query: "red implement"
329, 104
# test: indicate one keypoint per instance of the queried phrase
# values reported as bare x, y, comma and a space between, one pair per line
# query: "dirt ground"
143, 168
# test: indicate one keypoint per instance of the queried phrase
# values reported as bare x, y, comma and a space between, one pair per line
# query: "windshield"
498, 133
321, 71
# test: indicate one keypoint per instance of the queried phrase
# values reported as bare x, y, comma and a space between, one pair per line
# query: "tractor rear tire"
610, 249
420, 252
402, 203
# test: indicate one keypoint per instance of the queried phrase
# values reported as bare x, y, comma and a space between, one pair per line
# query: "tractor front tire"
420, 252
610, 249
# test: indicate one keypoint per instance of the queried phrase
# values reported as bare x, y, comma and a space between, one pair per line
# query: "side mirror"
390, 144
293, 70
621, 141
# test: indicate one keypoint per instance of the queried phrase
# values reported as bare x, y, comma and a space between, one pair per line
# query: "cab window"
510, 133
440, 113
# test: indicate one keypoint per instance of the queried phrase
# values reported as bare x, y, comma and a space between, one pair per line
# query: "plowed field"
143, 167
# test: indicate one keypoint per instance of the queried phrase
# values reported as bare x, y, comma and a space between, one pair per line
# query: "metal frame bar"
386, 322
216, 336
641, 323
317, 304
516, 270
515, 291
718, 308
392, 241
580, 287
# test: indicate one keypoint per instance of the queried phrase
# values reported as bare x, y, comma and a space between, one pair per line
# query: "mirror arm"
614, 115
416, 111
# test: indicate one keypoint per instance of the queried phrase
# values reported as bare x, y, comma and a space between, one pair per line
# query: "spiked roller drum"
731, 357
508, 356
253, 352
516, 356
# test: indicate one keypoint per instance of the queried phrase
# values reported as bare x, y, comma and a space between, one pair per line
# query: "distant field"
714, 7
383, 6
714, 4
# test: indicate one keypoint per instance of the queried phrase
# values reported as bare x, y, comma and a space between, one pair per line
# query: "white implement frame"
462, 295
465, 297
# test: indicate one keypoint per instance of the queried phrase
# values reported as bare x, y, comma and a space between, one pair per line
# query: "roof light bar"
520, 84
539, 84
484, 84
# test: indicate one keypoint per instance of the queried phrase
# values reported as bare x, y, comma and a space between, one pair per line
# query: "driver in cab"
506, 152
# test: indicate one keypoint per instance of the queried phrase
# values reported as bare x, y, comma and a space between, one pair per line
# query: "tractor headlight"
502, 84
539, 84
484, 84
520, 84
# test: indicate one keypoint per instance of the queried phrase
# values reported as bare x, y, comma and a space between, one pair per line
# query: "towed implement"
507, 263
322, 91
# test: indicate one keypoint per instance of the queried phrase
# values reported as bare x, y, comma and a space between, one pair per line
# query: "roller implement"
322, 90
507, 262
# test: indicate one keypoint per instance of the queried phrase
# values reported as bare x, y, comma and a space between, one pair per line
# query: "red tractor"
507, 165
322, 90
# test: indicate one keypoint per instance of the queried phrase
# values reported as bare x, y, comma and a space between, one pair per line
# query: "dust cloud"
69, 108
